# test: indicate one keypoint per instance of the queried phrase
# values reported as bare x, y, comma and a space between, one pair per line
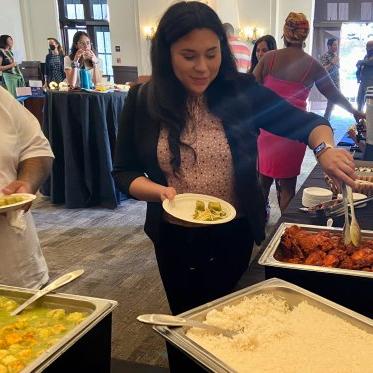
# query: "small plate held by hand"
183, 207
15, 201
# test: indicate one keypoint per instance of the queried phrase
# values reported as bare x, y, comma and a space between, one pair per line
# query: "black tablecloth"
82, 128
368, 154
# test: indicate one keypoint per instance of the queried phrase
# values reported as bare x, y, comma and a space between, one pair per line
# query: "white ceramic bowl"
312, 196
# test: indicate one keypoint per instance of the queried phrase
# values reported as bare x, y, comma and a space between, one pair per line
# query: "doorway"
354, 37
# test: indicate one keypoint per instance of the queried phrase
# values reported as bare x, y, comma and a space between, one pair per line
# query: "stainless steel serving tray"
268, 259
96, 308
291, 293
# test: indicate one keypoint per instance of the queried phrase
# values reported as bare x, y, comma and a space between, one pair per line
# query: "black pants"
328, 110
198, 265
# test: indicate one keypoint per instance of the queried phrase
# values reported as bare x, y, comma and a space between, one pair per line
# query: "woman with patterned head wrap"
291, 73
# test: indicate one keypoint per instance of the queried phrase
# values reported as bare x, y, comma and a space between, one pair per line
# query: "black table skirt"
82, 129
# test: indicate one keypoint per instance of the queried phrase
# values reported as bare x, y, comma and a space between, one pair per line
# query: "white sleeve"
67, 63
31, 140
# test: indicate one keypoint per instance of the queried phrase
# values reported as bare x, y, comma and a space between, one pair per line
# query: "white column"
124, 32
11, 24
40, 21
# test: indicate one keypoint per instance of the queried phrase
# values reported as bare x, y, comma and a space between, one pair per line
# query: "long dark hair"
3, 41
61, 52
74, 47
167, 96
271, 44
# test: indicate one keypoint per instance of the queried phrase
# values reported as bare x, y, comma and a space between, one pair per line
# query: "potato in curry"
26, 336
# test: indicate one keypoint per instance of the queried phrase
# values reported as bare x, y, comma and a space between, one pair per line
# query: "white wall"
11, 24
262, 17
284, 7
40, 21
124, 32
227, 11
149, 13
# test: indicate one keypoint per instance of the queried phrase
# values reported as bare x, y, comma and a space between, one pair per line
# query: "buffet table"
351, 290
82, 128
316, 179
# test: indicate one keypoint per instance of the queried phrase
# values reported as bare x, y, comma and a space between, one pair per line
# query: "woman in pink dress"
291, 73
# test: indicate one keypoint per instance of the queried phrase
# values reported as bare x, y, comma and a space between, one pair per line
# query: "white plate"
16, 206
183, 207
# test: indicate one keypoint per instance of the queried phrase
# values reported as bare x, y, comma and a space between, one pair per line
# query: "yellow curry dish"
28, 335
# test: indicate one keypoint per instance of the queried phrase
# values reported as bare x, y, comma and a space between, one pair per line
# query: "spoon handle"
169, 320
60, 281
346, 227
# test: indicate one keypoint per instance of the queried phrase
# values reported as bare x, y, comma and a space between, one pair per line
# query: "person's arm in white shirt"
35, 154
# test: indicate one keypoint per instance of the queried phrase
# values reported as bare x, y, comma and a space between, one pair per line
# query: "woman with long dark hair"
11, 74
54, 62
193, 128
262, 45
82, 56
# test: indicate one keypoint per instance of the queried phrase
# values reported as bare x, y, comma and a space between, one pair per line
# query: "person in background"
291, 73
330, 61
262, 45
25, 162
54, 62
240, 49
81, 57
364, 74
11, 74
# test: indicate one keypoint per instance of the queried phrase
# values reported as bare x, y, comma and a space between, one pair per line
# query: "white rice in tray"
275, 338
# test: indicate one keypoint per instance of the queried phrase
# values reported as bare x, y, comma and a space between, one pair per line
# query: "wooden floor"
119, 264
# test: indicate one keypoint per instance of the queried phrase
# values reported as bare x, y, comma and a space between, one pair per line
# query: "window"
332, 11
103, 50
337, 11
91, 16
99, 9
366, 11
343, 11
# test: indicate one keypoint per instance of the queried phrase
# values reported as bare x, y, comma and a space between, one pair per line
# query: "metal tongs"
351, 231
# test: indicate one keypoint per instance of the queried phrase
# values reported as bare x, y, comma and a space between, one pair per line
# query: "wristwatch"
321, 148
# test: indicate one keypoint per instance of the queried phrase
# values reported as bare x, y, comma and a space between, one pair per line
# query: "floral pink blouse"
207, 170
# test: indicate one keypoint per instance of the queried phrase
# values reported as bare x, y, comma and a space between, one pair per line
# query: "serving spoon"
60, 281
169, 320
355, 232
346, 226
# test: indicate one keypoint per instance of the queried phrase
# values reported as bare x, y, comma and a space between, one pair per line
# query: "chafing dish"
97, 310
290, 292
352, 288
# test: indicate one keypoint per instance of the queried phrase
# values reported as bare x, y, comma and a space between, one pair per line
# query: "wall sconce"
149, 32
252, 34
